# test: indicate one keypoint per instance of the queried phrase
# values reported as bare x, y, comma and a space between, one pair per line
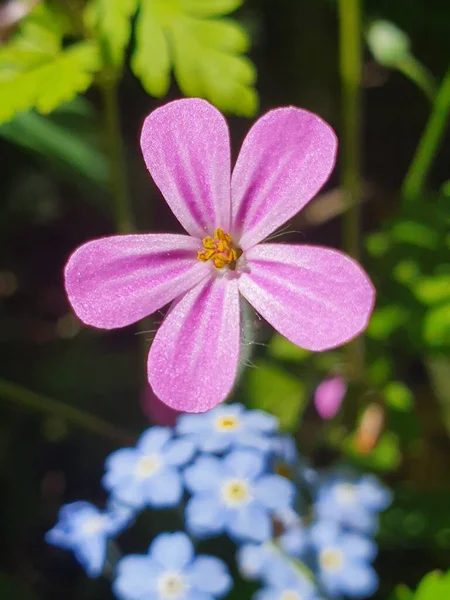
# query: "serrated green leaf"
50, 83
111, 20
210, 8
151, 60
205, 54
277, 391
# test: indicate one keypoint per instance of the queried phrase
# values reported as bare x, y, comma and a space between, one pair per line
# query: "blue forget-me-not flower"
343, 559
352, 501
171, 571
228, 426
235, 495
149, 475
287, 583
85, 530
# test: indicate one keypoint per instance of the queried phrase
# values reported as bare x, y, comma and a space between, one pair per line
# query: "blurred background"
76, 81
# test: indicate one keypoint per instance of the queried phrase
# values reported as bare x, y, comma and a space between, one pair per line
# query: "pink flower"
318, 298
329, 395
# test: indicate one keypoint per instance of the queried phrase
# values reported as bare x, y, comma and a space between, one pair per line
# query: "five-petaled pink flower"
317, 297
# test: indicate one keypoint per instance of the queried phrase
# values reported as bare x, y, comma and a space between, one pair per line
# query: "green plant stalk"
20, 395
414, 182
350, 66
417, 73
118, 174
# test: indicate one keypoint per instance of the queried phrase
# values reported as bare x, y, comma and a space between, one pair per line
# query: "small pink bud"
157, 411
329, 395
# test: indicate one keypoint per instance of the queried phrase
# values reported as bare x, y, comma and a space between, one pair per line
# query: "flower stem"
417, 73
350, 64
414, 181
119, 186
20, 395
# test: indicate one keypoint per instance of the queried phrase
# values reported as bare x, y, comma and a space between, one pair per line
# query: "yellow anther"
220, 250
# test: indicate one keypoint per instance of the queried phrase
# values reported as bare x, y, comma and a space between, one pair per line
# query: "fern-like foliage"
204, 50
37, 71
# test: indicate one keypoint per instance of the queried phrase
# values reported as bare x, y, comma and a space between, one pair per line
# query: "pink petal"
193, 359
329, 395
285, 159
316, 297
115, 281
186, 148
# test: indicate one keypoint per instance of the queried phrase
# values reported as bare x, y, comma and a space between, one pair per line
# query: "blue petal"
324, 534
196, 595
250, 523
275, 492
358, 581
246, 464
179, 452
249, 439
251, 559
260, 421
153, 440
209, 574
136, 578
204, 475
163, 489
204, 515
130, 492
117, 517
358, 547
59, 537
173, 551
188, 424
285, 449
268, 593
217, 441
120, 464
91, 554
294, 541
372, 494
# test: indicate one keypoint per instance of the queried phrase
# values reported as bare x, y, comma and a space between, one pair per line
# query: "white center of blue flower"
171, 585
236, 492
331, 559
147, 466
93, 525
227, 423
290, 595
346, 493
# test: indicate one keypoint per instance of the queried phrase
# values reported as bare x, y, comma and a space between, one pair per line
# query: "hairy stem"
20, 395
414, 182
350, 64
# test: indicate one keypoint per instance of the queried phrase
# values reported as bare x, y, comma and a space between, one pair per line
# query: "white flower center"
171, 585
236, 492
290, 595
93, 525
346, 493
147, 466
227, 423
331, 559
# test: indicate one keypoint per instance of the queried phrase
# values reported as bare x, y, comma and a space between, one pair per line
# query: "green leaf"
47, 85
431, 290
434, 586
401, 592
151, 61
436, 326
273, 389
205, 53
111, 20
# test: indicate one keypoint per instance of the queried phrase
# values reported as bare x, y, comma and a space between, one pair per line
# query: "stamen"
220, 250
